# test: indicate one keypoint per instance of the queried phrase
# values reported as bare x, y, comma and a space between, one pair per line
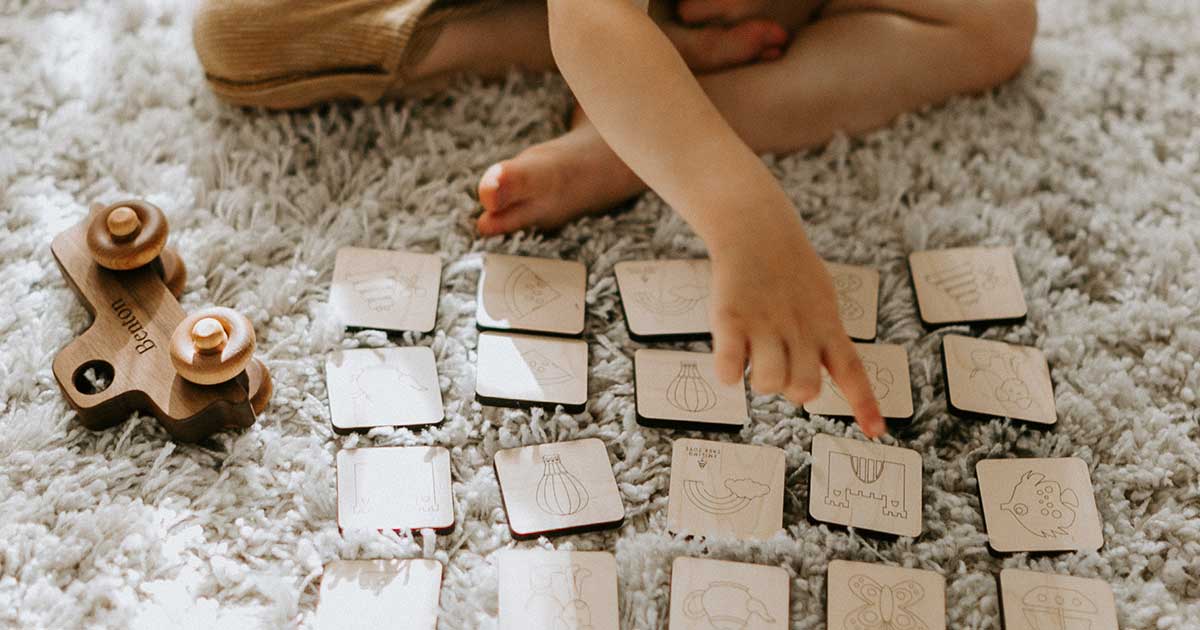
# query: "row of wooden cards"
577, 590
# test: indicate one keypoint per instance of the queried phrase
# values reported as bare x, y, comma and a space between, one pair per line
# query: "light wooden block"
382, 387
559, 488
967, 285
398, 488
1031, 600
992, 378
858, 299
735, 595
370, 594
387, 290
540, 295
665, 299
727, 490
528, 371
866, 485
1039, 505
886, 366
558, 590
681, 390
869, 596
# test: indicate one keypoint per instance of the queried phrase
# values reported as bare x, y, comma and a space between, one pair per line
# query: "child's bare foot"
697, 11
714, 47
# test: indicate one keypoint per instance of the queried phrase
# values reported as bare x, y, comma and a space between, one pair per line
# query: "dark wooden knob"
127, 235
212, 345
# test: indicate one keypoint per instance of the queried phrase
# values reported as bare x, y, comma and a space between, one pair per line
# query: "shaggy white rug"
1088, 164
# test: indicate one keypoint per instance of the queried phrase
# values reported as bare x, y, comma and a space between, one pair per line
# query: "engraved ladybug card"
726, 490
558, 590
887, 370
387, 290
1039, 505
369, 594
967, 285
526, 294
527, 371
866, 485
869, 596
558, 488
676, 389
991, 378
721, 594
1030, 600
665, 299
857, 298
381, 387
398, 488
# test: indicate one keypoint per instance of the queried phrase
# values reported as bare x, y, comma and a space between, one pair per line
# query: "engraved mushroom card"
857, 298
382, 387
370, 594
397, 487
993, 378
967, 285
681, 389
866, 485
665, 299
886, 366
721, 594
1030, 600
387, 290
529, 371
541, 295
558, 590
1039, 505
871, 596
726, 490
558, 488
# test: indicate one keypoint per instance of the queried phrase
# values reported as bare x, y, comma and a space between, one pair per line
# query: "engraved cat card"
887, 370
991, 378
676, 389
383, 387
870, 596
387, 290
967, 285
857, 297
1039, 505
558, 590
866, 485
399, 488
726, 490
665, 299
1030, 600
721, 594
540, 295
370, 594
528, 371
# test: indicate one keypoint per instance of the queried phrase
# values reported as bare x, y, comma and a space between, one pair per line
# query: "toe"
512, 219
502, 185
715, 47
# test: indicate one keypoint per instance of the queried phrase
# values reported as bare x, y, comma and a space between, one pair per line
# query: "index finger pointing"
847, 371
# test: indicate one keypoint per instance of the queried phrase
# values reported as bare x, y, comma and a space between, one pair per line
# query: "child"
774, 75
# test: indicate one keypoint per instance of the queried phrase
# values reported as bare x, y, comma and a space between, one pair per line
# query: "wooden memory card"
725, 489
866, 485
369, 594
1039, 505
529, 371
992, 378
399, 488
886, 366
676, 389
665, 299
967, 285
387, 290
539, 295
858, 299
383, 387
721, 594
559, 488
558, 590
1030, 600
868, 596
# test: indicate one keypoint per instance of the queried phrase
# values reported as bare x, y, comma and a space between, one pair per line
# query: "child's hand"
775, 305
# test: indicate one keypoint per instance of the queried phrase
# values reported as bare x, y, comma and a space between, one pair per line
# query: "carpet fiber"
1087, 164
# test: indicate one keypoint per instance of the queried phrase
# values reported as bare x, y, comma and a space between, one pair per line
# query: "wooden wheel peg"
127, 235
212, 345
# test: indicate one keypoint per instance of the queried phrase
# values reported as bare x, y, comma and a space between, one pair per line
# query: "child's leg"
856, 66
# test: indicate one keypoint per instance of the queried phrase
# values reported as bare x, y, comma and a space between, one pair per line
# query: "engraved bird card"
399, 488
726, 490
665, 299
540, 295
1039, 505
967, 285
383, 387
998, 379
681, 390
558, 590
857, 298
386, 290
529, 371
887, 370
1030, 600
720, 594
370, 594
866, 485
869, 596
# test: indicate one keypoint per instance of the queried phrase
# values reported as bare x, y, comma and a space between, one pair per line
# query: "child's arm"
774, 301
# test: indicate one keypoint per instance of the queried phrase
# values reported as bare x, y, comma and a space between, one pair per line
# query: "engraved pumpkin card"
399, 488
665, 299
387, 290
558, 590
886, 366
967, 285
681, 390
719, 594
725, 489
993, 378
380, 387
1030, 600
1039, 505
558, 488
370, 594
531, 295
529, 371
857, 299
866, 485
870, 596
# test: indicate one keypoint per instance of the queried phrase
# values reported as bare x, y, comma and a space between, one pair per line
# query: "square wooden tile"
866, 595
967, 285
1030, 600
558, 590
526, 294
858, 299
399, 487
681, 390
665, 299
383, 387
727, 490
528, 371
559, 488
1039, 505
887, 368
388, 290
369, 594
721, 594
866, 485
993, 378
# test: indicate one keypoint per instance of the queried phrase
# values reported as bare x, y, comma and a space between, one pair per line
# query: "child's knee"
1002, 31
